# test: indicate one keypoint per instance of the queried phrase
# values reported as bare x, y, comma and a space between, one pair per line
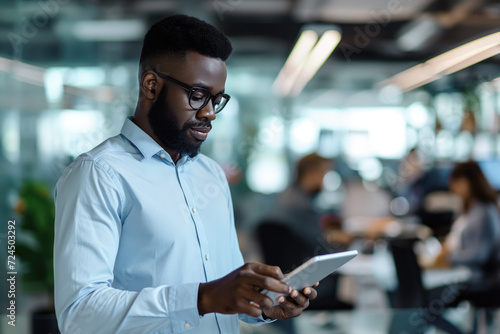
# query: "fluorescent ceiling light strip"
437, 66
35, 75
32, 81
5, 64
447, 63
458, 55
294, 63
22, 72
30, 74
474, 59
27, 67
412, 83
483, 42
18, 67
427, 75
323, 49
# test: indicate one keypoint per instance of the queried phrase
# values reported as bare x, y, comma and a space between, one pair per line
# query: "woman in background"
474, 239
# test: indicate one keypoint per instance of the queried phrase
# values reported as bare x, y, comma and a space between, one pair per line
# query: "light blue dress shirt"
135, 234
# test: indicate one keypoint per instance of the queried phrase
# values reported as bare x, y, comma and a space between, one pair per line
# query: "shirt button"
187, 325
163, 155
207, 257
194, 210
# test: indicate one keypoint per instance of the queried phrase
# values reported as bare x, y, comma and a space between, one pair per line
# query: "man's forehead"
196, 70
191, 60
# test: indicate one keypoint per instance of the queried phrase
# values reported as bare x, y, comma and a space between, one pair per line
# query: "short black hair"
177, 34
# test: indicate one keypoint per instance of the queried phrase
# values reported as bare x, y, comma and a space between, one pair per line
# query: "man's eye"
198, 96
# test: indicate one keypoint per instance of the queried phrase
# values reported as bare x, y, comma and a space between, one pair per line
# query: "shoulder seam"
100, 164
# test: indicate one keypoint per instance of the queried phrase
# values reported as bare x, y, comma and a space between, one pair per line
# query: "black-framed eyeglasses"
198, 96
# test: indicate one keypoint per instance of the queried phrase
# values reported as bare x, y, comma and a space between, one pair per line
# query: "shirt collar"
147, 145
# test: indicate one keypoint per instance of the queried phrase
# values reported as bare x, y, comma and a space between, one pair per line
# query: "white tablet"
313, 271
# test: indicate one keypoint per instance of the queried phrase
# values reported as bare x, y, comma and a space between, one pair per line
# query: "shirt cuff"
183, 300
255, 321
265, 319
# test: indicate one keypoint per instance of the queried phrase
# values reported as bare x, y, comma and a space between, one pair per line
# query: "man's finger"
310, 292
249, 307
261, 282
255, 297
290, 306
266, 270
259, 299
299, 298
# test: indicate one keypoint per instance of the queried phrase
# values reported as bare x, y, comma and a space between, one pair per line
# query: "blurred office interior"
389, 106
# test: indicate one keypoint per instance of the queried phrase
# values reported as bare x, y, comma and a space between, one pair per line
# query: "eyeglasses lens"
199, 98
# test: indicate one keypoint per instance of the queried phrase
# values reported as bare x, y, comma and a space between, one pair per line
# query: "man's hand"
293, 305
239, 291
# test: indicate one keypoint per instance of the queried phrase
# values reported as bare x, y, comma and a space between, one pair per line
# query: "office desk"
366, 279
381, 267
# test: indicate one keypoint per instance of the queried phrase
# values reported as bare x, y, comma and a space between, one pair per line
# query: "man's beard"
169, 132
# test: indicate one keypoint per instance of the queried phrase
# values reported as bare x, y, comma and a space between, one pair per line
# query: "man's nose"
207, 113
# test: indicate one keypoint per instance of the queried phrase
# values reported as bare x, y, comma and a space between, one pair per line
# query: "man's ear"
149, 85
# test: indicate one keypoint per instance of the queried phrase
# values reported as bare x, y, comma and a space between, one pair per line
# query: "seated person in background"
474, 239
295, 209
295, 206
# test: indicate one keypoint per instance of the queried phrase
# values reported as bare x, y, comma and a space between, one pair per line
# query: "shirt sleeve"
236, 252
89, 207
477, 241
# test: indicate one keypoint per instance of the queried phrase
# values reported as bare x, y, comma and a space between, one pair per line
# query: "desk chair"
484, 301
411, 294
281, 246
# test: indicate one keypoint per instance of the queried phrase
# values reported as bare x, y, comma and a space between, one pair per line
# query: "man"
295, 206
145, 239
317, 233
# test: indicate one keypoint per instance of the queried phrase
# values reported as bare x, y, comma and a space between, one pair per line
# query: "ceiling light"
22, 71
316, 59
34, 75
447, 63
307, 56
295, 62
